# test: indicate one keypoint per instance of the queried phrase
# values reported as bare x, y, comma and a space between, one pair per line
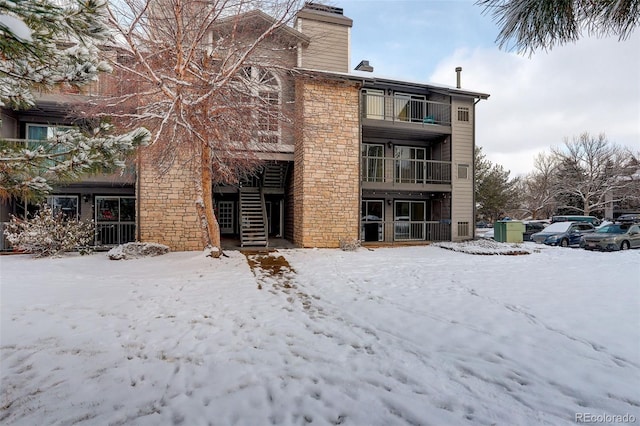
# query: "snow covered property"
321, 336
345, 154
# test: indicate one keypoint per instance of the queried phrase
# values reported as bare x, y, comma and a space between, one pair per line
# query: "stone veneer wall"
167, 204
327, 163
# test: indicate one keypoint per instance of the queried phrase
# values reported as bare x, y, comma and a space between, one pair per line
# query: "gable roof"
265, 19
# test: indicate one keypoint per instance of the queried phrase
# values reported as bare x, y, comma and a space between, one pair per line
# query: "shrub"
349, 245
137, 250
48, 234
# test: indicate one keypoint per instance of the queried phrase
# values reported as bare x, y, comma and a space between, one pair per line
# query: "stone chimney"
330, 34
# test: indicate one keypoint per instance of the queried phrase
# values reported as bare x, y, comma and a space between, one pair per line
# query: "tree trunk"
209, 224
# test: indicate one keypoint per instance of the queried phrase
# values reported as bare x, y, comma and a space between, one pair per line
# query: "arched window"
265, 90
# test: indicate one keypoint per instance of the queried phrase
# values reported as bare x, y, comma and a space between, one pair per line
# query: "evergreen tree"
46, 46
541, 24
495, 191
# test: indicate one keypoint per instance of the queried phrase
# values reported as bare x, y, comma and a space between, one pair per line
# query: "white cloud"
591, 86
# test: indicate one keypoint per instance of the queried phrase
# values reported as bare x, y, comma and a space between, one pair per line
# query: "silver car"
615, 236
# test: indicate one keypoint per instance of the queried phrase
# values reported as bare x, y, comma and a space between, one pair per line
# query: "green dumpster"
508, 231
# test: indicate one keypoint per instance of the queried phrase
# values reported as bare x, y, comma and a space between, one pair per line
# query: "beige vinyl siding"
8, 126
329, 48
462, 154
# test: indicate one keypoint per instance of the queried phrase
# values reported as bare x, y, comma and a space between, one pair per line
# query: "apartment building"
363, 157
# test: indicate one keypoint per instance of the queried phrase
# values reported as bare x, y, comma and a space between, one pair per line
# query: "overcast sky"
536, 101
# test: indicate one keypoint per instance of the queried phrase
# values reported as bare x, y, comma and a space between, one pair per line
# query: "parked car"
633, 217
576, 218
531, 228
616, 236
563, 234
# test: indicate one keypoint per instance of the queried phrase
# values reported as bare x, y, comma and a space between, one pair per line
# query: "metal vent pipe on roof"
458, 72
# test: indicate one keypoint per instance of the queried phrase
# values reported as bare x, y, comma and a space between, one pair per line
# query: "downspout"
473, 168
360, 98
138, 171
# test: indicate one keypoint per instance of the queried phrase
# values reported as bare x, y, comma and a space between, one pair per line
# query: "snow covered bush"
48, 234
136, 250
349, 245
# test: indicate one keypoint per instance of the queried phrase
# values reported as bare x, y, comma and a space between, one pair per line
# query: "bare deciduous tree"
591, 173
537, 188
195, 73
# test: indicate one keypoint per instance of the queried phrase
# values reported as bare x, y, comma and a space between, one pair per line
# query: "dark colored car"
563, 234
634, 218
615, 236
531, 228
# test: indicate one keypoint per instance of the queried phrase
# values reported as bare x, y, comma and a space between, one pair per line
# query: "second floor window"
43, 132
265, 91
38, 134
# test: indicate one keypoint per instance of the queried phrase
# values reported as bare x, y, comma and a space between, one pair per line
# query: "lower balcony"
405, 230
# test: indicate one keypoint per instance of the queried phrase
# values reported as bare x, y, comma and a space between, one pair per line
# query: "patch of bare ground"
274, 273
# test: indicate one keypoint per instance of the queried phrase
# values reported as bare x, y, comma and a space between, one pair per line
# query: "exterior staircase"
274, 175
253, 218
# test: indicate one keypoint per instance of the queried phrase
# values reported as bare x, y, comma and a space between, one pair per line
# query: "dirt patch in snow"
273, 272
487, 247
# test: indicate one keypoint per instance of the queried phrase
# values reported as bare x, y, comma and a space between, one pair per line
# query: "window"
372, 162
115, 220
463, 171
373, 103
463, 113
409, 164
264, 91
44, 132
225, 216
409, 107
268, 113
372, 220
65, 204
409, 220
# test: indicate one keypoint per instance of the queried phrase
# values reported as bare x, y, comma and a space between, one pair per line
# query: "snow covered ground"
390, 336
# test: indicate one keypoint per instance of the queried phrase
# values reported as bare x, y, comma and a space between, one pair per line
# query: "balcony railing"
407, 109
26, 143
397, 171
403, 230
115, 233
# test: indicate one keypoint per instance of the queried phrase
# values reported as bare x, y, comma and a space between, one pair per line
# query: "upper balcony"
404, 114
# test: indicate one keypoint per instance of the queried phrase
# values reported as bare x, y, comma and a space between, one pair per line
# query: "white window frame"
374, 104
365, 218
465, 175
259, 87
409, 97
